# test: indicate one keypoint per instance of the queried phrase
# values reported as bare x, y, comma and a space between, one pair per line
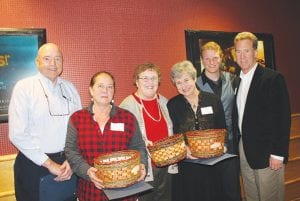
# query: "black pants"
161, 184
27, 177
229, 172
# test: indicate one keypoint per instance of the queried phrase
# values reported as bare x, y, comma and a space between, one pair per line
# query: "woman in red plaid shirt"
101, 127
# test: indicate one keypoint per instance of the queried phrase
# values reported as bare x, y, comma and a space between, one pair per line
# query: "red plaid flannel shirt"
92, 142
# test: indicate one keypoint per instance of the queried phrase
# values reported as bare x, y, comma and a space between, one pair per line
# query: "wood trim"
8, 157
294, 159
292, 190
292, 181
294, 145
296, 115
5, 191
295, 137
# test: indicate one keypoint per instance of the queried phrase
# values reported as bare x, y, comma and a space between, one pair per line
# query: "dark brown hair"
93, 79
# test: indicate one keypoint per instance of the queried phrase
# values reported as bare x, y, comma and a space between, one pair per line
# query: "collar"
205, 79
113, 111
138, 99
250, 73
47, 81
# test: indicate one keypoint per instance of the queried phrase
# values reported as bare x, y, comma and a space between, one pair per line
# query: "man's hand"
66, 172
53, 167
275, 164
63, 172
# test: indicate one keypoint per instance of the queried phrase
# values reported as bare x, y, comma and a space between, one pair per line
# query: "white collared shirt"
243, 92
32, 129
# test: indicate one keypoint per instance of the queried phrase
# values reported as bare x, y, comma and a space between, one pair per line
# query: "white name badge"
117, 126
207, 110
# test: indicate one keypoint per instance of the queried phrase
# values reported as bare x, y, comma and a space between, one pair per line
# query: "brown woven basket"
206, 143
168, 151
118, 169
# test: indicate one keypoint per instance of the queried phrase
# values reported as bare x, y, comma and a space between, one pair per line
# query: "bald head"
49, 61
46, 47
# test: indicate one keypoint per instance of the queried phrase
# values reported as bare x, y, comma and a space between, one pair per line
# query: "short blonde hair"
246, 35
212, 46
183, 67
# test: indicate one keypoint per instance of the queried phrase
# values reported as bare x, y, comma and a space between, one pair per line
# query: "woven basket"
118, 169
206, 143
168, 151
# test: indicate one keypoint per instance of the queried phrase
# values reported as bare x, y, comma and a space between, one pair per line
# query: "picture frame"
18, 50
196, 38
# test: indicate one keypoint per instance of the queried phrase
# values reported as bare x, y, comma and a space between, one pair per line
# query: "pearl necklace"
148, 114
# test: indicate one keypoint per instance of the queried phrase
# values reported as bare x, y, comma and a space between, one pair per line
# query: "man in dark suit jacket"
262, 118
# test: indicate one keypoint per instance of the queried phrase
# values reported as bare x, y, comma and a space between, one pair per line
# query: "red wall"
117, 35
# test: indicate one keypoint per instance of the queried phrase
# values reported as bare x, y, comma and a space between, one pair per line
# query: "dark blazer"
267, 118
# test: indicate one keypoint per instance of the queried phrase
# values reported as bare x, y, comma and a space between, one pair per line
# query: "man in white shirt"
39, 110
262, 118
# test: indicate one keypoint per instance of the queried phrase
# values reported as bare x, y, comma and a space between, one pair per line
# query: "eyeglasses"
47, 98
148, 79
49, 60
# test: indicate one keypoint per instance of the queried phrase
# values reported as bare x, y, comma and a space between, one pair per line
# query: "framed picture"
18, 50
195, 39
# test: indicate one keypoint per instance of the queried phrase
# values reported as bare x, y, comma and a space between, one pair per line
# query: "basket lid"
116, 157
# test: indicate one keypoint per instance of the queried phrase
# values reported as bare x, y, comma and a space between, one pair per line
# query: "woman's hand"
92, 174
148, 143
143, 172
189, 154
225, 149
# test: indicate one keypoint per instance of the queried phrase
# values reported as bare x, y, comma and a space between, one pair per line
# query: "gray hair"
183, 67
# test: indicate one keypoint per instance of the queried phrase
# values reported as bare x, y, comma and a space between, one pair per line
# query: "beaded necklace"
148, 114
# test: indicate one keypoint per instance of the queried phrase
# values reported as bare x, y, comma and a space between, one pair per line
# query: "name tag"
117, 126
207, 110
